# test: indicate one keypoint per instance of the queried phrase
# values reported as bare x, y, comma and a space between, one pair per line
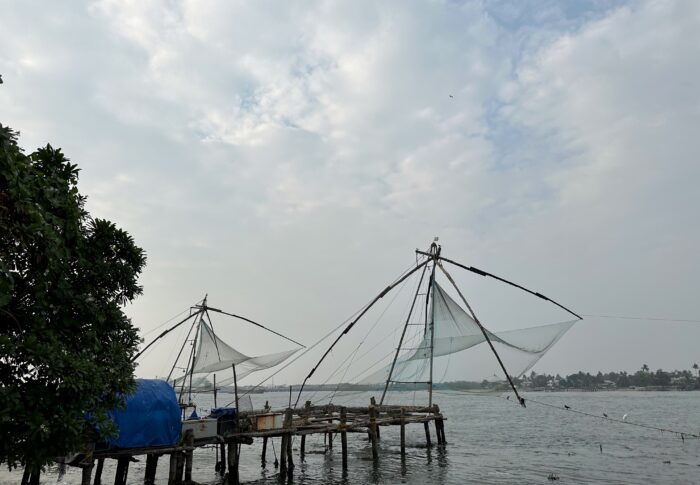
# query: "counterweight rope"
569, 409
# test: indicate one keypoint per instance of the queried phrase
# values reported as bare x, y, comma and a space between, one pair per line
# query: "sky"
286, 158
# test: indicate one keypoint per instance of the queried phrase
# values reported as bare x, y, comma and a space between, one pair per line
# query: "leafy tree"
65, 344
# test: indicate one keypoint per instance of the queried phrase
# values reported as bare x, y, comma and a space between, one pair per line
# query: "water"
490, 440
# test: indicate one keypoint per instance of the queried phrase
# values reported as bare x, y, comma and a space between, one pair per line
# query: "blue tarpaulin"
223, 412
151, 417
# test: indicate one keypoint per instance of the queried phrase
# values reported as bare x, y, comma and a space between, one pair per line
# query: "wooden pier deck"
330, 420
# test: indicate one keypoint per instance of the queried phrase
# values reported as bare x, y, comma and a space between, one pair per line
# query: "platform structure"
329, 420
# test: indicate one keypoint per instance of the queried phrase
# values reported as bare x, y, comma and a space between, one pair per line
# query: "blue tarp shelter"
151, 417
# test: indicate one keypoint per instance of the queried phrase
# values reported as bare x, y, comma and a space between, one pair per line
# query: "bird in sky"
451, 96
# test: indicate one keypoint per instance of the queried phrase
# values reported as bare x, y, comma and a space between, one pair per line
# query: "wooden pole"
233, 464
440, 426
344, 437
290, 458
288, 426
215, 406
87, 474
172, 474
151, 467
122, 470
403, 436
222, 462
98, 471
34, 477
373, 432
426, 425
435, 250
180, 467
189, 455
263, 457
302, 448
373, 402
235, 386
283, 454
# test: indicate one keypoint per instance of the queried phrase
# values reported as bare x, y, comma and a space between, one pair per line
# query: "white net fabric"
455, 331
215, 355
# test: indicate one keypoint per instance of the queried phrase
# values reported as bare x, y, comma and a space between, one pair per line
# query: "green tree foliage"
65, 344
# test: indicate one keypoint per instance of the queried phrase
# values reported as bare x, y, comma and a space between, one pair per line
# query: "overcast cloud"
287, 157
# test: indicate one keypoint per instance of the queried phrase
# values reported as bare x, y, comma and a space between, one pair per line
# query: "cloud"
297, 153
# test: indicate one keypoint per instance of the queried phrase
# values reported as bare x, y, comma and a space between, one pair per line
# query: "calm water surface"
490, 440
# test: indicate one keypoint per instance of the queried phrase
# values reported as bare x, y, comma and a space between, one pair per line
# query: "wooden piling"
302, 448
437, 432
263, 455
122, 470
87, 473
403, 435
151, 467
98, 471
172, 474
290, 458
344, 437
189, 455
233, 464
373, 432
426, 425
180, 467
222, 459
283, 454
288, 417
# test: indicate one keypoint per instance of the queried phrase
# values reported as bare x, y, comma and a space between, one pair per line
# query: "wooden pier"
328, 420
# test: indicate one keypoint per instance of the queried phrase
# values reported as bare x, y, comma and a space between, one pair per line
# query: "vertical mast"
194, 345
435, 254
403, 334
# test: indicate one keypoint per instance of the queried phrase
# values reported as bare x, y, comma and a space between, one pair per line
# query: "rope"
352, 355
681, 434
311, 347
653, 319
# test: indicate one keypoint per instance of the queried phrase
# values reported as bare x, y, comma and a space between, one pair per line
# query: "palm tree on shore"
697, 368
645, 368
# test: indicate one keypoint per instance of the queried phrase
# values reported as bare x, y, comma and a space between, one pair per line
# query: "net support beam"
486, 335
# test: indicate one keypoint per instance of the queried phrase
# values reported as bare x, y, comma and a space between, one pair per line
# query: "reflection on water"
490, 440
